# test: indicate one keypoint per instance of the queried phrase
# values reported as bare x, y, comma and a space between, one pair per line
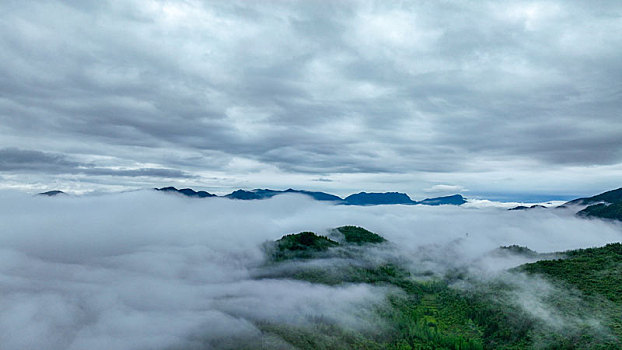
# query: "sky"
503, 100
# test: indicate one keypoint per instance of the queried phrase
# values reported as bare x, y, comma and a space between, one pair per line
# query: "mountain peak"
244, 195
188, 192
607, 205
364, 198
613, 196
51, 193
455, 199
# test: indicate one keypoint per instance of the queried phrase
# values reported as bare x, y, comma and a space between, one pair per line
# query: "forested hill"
594, 271
604, 211
607, 205
578, 307
613, 196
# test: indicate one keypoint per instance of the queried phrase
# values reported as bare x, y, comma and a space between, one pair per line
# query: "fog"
148, 270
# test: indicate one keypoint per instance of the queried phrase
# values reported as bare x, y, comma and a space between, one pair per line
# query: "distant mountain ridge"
362, 198
365, 198
604, 211
51, 193
522, 207
267, 193
611, 197
607, 205
456, 199
187, 192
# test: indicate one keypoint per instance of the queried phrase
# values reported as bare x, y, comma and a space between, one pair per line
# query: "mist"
143, 269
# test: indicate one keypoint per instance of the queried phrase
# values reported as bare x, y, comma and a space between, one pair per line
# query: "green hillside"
301, 245
604, 211
583, 298
607, 205
594, 271
359, 235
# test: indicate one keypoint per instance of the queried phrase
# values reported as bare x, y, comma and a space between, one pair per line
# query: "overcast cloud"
421, 97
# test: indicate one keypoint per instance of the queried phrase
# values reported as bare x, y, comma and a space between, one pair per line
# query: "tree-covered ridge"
607, 205
594, 271
418, 317
359, 235
306, 245
596, 275
301, 245
602, 210
517, 249
613, 196
432, 314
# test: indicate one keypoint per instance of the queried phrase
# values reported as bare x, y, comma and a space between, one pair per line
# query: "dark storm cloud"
17, 160
315, 87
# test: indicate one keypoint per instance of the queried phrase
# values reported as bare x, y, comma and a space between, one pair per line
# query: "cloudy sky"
506, 100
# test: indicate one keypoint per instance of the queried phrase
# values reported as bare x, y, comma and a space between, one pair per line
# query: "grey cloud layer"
148, 270
17, 160
315, 87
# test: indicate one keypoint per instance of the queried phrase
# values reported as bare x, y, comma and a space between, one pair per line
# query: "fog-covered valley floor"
146, 270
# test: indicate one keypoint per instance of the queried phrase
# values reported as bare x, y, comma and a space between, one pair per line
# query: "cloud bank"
150, 270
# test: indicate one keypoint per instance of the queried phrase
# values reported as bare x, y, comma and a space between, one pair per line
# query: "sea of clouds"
149, 270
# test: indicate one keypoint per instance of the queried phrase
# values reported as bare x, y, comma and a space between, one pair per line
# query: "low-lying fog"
148, 270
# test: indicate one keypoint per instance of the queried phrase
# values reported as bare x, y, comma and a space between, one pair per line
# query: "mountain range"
611, 197
187, 192
606, 205
362, 198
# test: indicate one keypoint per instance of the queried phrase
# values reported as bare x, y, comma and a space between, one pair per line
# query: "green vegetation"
605, 211
581, 300
594, 271
596, 275
607, 205
359, 235
517, 249
301, 245
613, 196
